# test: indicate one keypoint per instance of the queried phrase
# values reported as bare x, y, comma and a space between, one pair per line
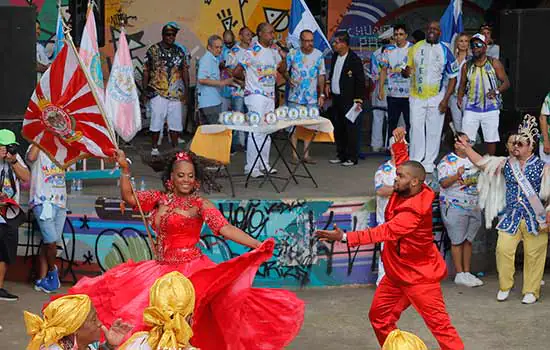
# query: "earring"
169, 185
197, 186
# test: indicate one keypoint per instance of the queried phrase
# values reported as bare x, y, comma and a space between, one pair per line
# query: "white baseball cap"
479, 37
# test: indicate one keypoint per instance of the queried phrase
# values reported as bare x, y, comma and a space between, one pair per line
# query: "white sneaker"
474, 279
502, 295
335, 161
256, 174
348, 163
542, 282
462, 279
155, 152
271, 171
529, 298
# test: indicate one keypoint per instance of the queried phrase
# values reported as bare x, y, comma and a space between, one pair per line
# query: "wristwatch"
344, 238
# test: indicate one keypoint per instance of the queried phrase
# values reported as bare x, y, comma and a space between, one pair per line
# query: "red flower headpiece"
183, 156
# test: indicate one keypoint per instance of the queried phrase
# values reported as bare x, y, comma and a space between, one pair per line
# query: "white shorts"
489, 125
165, 110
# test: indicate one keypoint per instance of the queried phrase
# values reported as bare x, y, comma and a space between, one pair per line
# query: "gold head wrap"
62, 317
401, 340
172, 300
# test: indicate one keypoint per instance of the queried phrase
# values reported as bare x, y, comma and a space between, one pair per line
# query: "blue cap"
171, 25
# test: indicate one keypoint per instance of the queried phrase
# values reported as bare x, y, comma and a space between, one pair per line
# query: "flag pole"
69, 39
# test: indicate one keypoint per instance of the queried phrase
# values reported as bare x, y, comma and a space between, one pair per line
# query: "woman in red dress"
229, 312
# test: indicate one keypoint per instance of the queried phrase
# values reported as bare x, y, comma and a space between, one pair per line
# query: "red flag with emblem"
63, 118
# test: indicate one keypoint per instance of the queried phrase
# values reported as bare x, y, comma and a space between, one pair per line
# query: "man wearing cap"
493, 50
429, 64
483, 80
12, 171
165, 84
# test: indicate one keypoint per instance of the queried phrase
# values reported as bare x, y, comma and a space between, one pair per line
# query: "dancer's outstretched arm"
125, 184
215, 219
402, 224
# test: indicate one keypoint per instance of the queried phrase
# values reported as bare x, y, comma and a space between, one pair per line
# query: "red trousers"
390, 300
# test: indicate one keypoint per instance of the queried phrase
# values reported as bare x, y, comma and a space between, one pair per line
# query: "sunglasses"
170, 34
518, 143
476, 44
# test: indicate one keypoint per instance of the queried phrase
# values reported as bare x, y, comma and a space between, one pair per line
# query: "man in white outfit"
429, 63
260, 64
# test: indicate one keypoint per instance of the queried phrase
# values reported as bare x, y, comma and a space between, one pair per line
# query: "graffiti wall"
98, 236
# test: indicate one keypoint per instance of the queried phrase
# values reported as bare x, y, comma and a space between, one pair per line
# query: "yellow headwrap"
401, 340
172, 300
62, 317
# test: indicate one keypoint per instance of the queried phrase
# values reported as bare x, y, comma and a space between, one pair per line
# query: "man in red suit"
414, 267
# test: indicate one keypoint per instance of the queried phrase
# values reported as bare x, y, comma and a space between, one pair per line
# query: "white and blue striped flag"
451, 23
301, 19
59, 35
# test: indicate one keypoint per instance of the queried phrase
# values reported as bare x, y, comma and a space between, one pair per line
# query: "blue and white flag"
59, 35
451, 23
301, 19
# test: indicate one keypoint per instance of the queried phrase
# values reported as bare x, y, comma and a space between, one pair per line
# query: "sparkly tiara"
528, 129
183, 156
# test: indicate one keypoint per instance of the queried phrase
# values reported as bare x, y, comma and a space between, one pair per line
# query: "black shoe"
6, 296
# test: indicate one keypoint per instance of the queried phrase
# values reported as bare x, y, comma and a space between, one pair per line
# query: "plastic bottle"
142, 185
79, 185
73, 185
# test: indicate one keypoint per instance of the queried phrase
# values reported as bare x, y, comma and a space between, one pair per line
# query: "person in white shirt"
429, 64
384, 179
48, 202
544, 122
260, 63
346, 87
461, 52
393, 62
459, 203
493, 50
42, 60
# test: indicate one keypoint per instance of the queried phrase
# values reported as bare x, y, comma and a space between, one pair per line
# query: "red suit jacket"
409, 254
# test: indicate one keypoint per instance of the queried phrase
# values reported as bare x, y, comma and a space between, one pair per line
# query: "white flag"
121, 100
89, 53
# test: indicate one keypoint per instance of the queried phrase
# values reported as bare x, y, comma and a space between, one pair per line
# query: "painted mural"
102, 235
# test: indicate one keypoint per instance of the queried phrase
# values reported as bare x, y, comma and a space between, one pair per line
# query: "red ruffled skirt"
229, 312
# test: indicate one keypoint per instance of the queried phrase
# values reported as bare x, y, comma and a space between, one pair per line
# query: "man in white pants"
429, 63
260, 64
380, 106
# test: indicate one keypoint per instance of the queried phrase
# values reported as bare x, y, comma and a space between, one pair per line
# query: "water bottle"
79, 185
73, 185
142, 185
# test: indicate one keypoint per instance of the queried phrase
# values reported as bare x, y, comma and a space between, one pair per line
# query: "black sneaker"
6, 296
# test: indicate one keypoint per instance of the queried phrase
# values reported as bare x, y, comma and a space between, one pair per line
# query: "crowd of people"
217, 306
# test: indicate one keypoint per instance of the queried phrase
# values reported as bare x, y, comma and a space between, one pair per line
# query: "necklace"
181, 202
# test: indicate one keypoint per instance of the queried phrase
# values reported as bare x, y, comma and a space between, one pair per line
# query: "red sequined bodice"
177, 222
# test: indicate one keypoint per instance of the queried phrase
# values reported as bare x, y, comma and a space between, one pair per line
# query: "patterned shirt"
463, 196
165, 67
517, 205
260, 64
430, 65
384, 176
394, 58
545, 110
305, 70
232, 58
479, 81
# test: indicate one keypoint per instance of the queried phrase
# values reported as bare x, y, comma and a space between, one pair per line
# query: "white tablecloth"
322, 124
